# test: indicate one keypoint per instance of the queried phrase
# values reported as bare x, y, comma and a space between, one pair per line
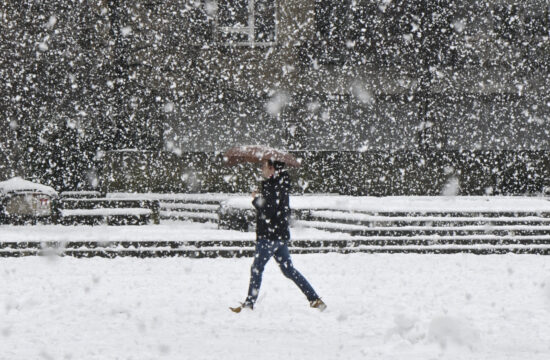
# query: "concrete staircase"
441, 232
343, 224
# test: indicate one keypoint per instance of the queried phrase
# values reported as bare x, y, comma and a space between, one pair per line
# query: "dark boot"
243, 306
318, 304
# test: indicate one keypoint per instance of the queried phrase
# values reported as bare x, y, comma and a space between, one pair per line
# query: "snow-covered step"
435, 249
426, 240
188, 206
452, 227
189, 215
214, 198
248, 251
205, 211
367, 218
106, 212
430, 229
244, 246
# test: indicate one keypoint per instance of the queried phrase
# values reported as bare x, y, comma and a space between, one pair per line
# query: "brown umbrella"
258, 154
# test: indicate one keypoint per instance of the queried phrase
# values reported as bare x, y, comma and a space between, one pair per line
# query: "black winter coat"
272, 208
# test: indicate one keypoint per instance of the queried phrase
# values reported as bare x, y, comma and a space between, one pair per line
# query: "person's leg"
282, 256
264, 251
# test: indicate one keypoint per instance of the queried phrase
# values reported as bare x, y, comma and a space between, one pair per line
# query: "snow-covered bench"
95, 211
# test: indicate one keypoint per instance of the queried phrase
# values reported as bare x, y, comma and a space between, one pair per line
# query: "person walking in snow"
272, 235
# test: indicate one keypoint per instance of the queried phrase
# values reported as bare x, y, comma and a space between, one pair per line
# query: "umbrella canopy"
258, 154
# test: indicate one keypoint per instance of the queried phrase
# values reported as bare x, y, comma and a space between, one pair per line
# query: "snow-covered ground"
380, 307
166, 231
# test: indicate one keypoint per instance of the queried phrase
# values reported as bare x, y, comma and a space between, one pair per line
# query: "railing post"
154, 205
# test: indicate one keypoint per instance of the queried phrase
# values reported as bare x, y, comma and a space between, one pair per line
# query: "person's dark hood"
280, 178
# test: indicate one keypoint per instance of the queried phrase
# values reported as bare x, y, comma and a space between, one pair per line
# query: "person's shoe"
238, 309
318, 304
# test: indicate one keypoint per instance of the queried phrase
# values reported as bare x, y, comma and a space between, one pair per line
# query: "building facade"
377, 96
